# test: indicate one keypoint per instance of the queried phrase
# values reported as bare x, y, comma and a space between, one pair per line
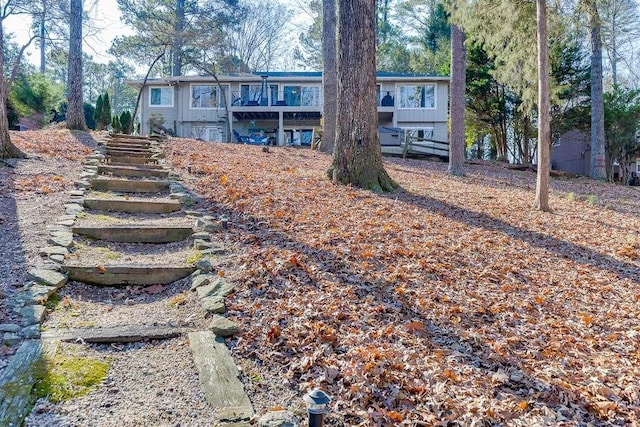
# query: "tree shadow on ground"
441, 333
85, 138
13, 265
561, 248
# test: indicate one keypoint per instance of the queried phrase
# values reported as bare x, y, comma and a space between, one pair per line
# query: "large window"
206, 96
302, 96
161, 97
251, 94
418, 96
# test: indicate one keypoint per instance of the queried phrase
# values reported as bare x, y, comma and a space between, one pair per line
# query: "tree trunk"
43, 58
75, 111
357, 157
544, 123
598, 164
178, 34
7, 149
458, 86
329, 76
526, 150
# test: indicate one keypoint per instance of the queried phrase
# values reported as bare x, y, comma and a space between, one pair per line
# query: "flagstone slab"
16, 382
118, 334
219, 376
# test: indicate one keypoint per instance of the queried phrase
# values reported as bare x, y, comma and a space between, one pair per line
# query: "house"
285, 108
571, 153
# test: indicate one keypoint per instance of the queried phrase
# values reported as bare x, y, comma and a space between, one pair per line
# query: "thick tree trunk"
75, 111
458, 86
544, 122
357, 157
7, 149
329, 76
598, 163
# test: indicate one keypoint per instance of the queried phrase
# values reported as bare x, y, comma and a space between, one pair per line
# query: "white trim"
161, 105
398, 100
225, 87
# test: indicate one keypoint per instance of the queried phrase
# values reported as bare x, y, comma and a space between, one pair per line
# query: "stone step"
129, 160
133, 206
117, 334
136, 233
135, 171
120, 275
130, 185
219, 377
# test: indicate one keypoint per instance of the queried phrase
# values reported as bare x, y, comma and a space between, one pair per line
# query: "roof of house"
283, 76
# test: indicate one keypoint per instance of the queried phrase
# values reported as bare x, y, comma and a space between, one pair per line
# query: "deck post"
280, 128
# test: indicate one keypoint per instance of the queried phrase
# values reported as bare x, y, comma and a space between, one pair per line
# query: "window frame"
151, 88
214, 86
400, 99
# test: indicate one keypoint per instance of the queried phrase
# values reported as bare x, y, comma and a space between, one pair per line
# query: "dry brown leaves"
59, 143
451, 299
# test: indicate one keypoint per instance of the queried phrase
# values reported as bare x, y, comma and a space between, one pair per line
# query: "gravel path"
148, 383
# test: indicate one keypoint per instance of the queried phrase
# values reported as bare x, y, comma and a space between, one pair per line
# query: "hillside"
450, 299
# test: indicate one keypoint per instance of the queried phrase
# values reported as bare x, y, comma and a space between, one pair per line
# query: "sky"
105, 17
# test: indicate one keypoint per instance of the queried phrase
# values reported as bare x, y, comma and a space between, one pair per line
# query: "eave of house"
283, 77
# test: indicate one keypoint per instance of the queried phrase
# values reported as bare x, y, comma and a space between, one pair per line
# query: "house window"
206, 96
418, 96
302, 96
251, 94
161, 97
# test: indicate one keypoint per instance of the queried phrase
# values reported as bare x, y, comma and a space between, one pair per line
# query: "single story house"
285, 108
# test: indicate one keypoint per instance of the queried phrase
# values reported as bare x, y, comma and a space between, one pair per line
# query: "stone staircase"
128, 196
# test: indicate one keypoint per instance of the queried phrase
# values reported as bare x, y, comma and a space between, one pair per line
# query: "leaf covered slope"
452, 299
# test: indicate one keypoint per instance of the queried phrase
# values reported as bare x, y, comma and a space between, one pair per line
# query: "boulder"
223, 327
278, 419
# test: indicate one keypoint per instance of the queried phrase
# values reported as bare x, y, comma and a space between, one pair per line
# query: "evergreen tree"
97, 114
125, 121
105, 115
115, 124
